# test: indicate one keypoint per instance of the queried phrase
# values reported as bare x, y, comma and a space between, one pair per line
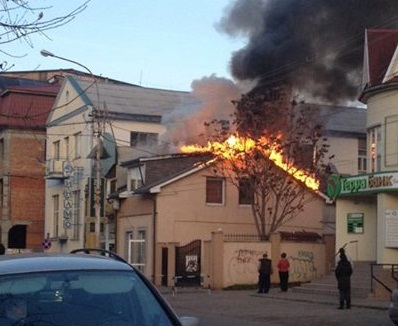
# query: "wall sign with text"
355, 223
391, 216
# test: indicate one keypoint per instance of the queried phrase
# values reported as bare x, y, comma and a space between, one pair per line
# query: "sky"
164, 44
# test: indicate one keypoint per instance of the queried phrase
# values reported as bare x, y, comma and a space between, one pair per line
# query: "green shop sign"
367, 183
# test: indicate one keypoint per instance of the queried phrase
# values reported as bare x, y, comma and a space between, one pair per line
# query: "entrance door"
188, 264
165, 261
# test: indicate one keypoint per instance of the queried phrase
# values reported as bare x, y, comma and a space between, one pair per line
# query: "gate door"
188, 264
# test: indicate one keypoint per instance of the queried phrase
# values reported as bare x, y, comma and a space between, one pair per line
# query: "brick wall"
27, 185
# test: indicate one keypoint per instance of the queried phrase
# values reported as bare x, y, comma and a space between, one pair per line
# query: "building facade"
91, 128
177, 199
367, 204
24, 109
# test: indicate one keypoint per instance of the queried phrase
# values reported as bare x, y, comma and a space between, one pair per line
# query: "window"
143, 139
362, 152
135, 184
56, 150
136, 248
374, 136
141, 250
2, 148
66, 139
78, 140
135, 178
112, 186
246, 195
56, 215
76, 214
214, 190
1, 193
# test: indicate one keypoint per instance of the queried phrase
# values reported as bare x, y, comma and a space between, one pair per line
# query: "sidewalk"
369, 303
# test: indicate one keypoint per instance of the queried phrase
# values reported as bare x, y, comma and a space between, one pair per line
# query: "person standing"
343, 274
264, 271
283, 271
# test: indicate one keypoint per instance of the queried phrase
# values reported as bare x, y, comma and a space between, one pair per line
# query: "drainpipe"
154, 213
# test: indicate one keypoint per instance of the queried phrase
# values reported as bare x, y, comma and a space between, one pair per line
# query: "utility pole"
97, 133
97, 198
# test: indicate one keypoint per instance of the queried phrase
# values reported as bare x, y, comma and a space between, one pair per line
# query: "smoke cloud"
316, 45
187, 125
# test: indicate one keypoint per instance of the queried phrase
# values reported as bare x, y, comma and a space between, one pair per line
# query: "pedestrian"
342, 251
2, 249
283, 271
264, 274
343, 274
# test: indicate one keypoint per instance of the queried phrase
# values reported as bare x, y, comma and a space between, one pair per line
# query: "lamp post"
97, 133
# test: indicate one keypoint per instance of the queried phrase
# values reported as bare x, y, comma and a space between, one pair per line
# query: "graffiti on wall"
242, 267
302, 267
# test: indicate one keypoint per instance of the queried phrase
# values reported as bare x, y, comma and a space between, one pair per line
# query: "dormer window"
135, 178
138, 139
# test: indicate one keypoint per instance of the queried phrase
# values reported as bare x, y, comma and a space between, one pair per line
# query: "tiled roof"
26, 107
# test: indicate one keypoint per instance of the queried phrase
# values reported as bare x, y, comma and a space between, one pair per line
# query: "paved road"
233, 308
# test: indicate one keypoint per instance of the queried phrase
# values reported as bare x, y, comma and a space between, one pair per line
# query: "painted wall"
69, 125
182, 215
345, 151
307, 261
385, 253
241, 261
359, 246
382, 110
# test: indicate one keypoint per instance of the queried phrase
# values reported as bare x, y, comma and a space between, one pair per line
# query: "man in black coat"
264, 271
343, 273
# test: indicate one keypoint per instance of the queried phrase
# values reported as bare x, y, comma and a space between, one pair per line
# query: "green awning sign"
366, 183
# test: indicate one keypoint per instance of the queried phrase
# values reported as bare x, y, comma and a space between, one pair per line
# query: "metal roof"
344, 119
26, 107
339, 119
130, 99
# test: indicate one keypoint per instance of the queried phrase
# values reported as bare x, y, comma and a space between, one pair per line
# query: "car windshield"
79, 298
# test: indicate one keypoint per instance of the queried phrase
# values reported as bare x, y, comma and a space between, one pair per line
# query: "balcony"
58, 169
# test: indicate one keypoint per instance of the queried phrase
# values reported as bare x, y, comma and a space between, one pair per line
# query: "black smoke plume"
315, 45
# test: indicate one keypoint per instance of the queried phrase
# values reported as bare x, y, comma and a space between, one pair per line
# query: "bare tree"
19, 19
275, 156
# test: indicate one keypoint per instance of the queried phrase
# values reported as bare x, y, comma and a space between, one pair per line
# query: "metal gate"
188, 264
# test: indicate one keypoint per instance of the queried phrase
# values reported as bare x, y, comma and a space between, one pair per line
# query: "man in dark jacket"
264, 271
343, 273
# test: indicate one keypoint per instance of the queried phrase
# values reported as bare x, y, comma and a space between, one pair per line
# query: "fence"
232, 259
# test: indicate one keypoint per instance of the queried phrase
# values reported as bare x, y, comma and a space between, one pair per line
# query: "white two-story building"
94, 125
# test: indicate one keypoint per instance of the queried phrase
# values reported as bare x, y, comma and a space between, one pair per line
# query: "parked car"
393, 308
86, 287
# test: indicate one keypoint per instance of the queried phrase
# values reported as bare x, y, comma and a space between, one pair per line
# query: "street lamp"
46, 53
97, 133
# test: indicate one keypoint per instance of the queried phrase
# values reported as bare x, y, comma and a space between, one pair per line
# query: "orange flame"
236, 145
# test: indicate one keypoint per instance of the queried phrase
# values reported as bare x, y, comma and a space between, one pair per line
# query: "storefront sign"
368, 183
